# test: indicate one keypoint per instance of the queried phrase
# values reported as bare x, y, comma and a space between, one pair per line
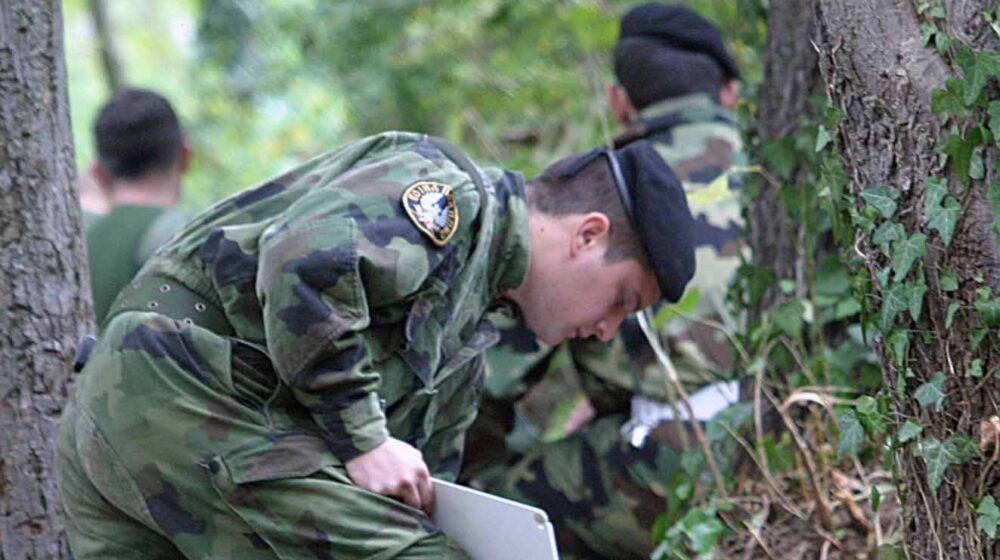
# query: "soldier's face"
587, 296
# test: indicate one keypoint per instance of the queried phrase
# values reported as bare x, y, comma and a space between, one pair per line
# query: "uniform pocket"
298, 499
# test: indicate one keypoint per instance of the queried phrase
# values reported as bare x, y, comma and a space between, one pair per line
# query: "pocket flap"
287, 456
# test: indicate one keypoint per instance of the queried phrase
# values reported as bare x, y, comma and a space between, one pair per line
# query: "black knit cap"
655, 203
677, 27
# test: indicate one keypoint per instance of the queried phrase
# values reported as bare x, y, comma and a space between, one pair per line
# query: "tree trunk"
106, 41
44, 293
882, 79
791, 76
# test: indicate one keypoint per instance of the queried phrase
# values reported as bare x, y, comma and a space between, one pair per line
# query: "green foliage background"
264, 84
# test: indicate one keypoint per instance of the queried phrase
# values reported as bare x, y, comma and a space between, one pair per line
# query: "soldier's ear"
592, 233
185, 157
729, 93
621, 104
100, 176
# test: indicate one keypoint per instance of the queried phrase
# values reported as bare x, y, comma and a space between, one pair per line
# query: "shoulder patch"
432, 208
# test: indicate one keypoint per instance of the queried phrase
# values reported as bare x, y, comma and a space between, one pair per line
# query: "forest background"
870, 354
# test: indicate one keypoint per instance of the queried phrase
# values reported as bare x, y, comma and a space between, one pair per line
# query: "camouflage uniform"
558, 412
281, 333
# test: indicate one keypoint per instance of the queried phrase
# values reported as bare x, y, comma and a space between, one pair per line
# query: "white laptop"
488, 527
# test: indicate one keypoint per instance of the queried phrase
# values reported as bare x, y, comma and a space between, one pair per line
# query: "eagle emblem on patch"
433, 209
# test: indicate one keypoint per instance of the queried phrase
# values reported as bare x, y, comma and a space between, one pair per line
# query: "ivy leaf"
906, 253
960, 152
944, 218
947, 280
977, 169
852, 433
916, 298
989, 310
935, 190
994, 111
938, 457
888, 232
930, 393
788, 318
976, 69
976, 368
822, 138
898, 343
868, 414
950, 315
881, 199
909, 431
989, 517
949, 99
893, 301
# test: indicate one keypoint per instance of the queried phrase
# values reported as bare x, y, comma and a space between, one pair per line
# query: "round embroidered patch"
433, 209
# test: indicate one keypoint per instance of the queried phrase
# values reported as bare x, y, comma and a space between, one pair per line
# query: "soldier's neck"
152, 190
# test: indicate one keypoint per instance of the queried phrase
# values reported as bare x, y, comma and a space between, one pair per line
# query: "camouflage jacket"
558, 390
370, 309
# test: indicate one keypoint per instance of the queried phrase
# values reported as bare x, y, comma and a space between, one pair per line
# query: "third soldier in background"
142, 156
559, 426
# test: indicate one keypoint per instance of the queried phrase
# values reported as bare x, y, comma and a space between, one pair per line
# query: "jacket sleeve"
345, 259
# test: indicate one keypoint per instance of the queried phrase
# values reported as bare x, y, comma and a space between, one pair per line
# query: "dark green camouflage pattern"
558, 411
349, 325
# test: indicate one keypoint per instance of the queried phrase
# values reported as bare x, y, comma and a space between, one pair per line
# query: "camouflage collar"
510, 250
661, 117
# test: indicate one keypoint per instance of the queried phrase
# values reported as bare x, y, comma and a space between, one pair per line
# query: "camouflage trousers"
602, 494
179, 444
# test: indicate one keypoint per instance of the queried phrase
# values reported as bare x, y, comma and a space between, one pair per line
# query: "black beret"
657, 206
676, 27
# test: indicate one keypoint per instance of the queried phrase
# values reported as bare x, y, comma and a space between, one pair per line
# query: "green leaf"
975, 72
890, 552
788, 318
989, 517
852, 433
935, 189
994, 194
949, 99
881, 199
927, 32
866, 405
976, 368
930, 393
947, 280
888, 232
894, 300
822, 138
977, 169
990, 311
960, 152
994, 111
938, 457
944, 218
950, 315
898, 341
909, 431
780, 155
916, 297
906, 252
876, 498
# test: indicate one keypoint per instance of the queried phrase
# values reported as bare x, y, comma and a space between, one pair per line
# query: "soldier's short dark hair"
137, 133
590, 190
650, 72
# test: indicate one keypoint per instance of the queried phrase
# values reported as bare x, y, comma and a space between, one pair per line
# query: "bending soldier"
282, 378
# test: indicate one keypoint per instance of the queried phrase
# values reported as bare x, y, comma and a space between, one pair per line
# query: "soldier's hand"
395, 469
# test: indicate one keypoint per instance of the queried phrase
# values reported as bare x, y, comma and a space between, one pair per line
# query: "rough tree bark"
44, 293
791, 76
882, 79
